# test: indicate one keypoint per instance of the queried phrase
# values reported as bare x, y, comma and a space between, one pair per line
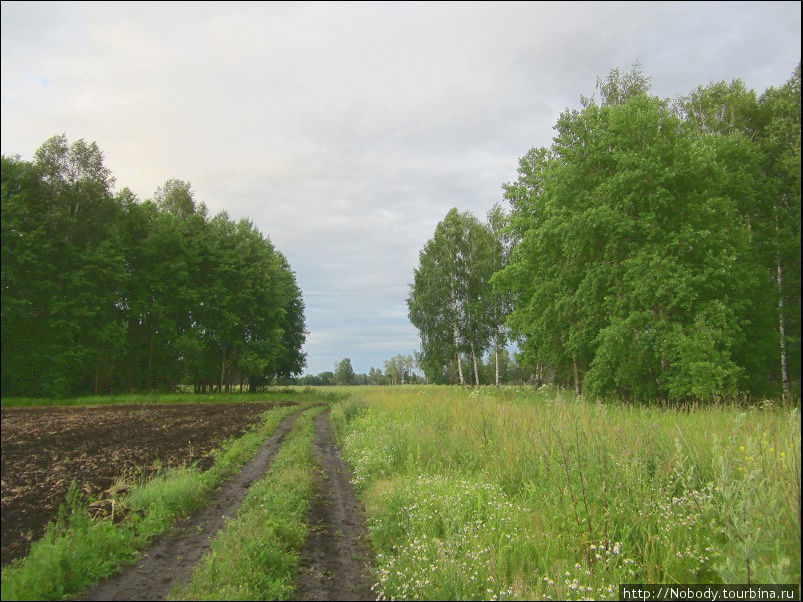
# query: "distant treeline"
652, 252
408, 370
104, 293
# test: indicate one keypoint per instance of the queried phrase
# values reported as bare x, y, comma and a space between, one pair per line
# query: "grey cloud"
346, 131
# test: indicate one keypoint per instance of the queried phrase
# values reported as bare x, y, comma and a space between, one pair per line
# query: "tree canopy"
102, 292
658, 244
652, 251
450, 301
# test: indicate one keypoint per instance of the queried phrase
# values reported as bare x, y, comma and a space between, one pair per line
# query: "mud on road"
168, 562
336, 560
44, 449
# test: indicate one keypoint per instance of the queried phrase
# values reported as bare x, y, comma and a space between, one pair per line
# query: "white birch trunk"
497, 362
782, 331
474, 358
459, 363
781, 317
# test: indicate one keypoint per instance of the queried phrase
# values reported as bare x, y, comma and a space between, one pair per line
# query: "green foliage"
344, 373
105, 293
649, 238
450, 302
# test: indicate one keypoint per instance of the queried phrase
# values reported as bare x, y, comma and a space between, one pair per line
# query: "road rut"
169, 561
335, 561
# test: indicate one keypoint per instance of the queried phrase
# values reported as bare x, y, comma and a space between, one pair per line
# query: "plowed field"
44, 449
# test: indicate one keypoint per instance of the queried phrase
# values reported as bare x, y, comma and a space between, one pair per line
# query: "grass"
277, 394
77, 552
482, 494
522, 494
255, 556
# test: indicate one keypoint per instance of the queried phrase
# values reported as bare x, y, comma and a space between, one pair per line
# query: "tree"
780, 144
176, 197
758, 140
344, 373
103, 292
450, 298
59, 215
500, 301
399, 369
631, 259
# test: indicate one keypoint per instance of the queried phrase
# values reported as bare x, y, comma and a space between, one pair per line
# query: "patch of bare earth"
336, 560
168, 563
44, 449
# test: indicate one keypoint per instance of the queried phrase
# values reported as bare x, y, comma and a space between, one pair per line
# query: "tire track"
169, 561
335, 561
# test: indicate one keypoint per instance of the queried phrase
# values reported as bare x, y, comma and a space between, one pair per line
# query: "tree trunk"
497, 362
222, 371
474, 359
576, 376
459, 364
149, 376
781, 316
782, 331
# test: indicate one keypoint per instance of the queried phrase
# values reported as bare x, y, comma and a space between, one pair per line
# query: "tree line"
409, 370
652, 251
105, 293
398, 370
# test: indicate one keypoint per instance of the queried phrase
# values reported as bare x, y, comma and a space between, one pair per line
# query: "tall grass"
77, 552
536, 494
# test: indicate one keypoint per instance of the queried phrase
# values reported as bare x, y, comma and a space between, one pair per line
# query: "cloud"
347, 131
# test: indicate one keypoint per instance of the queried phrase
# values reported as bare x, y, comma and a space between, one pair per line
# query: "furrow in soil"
336, 560
169, 561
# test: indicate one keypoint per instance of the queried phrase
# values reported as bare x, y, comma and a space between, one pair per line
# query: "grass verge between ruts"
256, 555
77, 552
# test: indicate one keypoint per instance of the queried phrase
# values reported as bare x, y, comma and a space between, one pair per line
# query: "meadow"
476, 493
523, 494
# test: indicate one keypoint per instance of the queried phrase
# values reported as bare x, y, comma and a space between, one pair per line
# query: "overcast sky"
347, 131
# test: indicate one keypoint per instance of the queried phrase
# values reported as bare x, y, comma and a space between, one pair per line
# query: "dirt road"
169, 561
335, 562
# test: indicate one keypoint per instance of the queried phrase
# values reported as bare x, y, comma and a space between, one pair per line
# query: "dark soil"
168, 563
44, 449
335, 561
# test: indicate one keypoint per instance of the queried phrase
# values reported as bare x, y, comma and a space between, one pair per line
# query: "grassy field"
518, 494
480, 494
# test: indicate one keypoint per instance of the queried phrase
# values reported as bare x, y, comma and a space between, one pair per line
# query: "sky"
344, 131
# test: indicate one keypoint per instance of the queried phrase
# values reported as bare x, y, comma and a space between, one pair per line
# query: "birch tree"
450, 300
